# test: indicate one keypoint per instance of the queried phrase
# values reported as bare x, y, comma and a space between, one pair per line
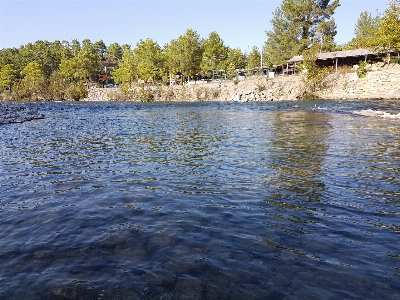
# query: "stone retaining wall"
382, 84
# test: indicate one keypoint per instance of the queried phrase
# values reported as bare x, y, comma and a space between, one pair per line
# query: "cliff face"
380, 84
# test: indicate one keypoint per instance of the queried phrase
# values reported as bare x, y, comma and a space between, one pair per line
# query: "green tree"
8, 56
26, 54
88, 46
296, 25
313, 75
100, 49
46, 56
125, 46
58, 86
84, 66
148, 59
33, 81
75, 47
114, 53
66, 51
76, 91
386, 36
126, 71
7, 76
214, 53
184, 54
282, 43
32, 73
236, 59
254, 59
67, 68
365, 25
364, 31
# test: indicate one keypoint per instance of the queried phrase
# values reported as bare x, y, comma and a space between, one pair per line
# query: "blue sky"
241, 24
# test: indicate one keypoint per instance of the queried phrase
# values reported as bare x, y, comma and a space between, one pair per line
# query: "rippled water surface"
201, 201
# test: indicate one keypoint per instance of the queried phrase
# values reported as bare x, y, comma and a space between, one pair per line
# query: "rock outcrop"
13, 113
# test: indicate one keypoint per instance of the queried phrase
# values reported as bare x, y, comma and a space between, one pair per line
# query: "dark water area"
201, 201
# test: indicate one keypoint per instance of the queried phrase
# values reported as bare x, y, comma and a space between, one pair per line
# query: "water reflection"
299, 145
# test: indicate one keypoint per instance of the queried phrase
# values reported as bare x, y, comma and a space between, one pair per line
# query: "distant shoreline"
379, 84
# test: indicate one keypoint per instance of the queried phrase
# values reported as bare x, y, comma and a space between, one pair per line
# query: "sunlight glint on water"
201, 201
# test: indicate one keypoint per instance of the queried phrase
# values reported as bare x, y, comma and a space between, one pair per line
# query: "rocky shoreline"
14, 113
380, 83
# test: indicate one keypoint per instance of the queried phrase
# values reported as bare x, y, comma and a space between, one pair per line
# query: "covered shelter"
347, 57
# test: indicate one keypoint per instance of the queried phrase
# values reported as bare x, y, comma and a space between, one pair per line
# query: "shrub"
362, 69
76, 91
310, 96
145, 95
216, 92
260, 87
314, 75
57, 88
201, 93
169, 95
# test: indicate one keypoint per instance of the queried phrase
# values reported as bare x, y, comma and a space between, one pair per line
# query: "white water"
376, 113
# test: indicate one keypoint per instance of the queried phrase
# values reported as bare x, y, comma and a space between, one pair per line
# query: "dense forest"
64, 70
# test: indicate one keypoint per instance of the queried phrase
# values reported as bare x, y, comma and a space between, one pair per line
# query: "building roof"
336, 54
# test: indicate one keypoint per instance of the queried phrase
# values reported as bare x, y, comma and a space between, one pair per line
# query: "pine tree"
7, 76
148, 59
236, 60
254, 59
114, 53
365, 25
215, 53
184, 54
296, 25
126, 71
363, 31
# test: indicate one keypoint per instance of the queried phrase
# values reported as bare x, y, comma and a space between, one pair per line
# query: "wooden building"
337, 58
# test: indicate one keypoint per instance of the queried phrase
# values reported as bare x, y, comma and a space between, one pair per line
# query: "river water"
288, 200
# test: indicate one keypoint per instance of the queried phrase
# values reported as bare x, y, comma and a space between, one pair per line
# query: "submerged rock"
13, 113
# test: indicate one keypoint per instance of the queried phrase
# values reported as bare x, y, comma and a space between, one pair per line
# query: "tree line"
60, 69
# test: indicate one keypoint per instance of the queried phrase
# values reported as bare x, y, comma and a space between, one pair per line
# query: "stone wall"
100, 94
381, 84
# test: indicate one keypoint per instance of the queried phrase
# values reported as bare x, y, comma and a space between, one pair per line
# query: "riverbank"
382, 83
